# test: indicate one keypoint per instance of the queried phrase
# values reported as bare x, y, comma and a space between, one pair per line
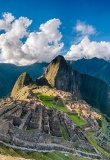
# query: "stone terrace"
31, 122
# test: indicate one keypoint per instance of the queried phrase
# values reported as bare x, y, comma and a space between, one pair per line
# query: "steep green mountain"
3, 85
23, 80
95, 91
60, 75
96, 67
9, 74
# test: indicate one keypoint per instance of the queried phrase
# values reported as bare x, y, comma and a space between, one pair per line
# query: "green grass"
53, 156
23, 154
104, 125
62, 156
91, 132
64, 132
77, 120
50, 103
29, 128
94, 143
8, 151
38, 156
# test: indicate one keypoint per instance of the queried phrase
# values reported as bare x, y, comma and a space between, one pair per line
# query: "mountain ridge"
37, 69
9, 73
96, 67
59, 74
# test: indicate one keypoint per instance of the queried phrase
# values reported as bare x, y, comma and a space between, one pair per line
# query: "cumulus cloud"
84, 29
21, 47
45, 43
5, 23
42, 45
8, 17
85, 48
89, 49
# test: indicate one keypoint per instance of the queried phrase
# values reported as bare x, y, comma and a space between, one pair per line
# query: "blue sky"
95, 13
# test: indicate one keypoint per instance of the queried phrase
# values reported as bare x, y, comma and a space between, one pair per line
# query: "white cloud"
89, 49
85, 48
84, 29
43, 45
8, 17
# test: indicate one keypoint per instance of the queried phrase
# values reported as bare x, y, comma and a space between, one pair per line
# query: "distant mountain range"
9, 73
96, 67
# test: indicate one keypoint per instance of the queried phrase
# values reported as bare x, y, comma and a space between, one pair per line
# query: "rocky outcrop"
40, 125
96, 92
23, 80
41, 81
61, 76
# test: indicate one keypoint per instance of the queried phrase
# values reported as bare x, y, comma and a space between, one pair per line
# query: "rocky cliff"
95, 91
23, 80
60, 75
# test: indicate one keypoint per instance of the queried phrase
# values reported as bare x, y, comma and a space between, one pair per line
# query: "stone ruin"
30, 124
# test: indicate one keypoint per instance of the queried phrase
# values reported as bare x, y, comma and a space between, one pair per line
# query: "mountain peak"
59, 58
60, 75
60, 61
23, 80
56, 65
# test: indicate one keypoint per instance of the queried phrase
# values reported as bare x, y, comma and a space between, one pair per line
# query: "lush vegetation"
91, 132
98, 148
77, 120
104, 125
64, 132
52, 102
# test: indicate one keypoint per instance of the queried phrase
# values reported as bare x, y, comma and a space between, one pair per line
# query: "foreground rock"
39, 129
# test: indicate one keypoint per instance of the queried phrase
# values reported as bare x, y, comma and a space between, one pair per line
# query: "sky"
39, 30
